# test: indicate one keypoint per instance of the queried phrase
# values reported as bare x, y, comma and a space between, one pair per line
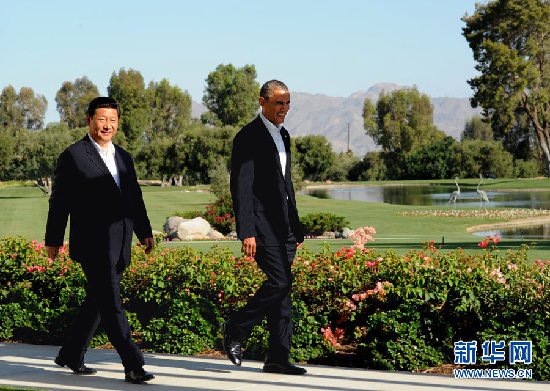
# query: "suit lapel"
271, 145
286, 140
122, 168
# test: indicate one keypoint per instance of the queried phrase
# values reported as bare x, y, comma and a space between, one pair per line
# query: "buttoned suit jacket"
102, 216
263, 199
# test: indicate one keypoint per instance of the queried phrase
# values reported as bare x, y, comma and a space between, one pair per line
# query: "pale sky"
329, 47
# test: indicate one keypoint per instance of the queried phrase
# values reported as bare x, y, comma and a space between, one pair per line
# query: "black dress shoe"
77, 369
286, 368
232, 347
137, 376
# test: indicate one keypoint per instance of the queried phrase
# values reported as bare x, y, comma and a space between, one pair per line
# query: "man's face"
103, 125
276, 106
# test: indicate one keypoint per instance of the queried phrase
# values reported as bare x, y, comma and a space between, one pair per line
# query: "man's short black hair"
102, 102
270, 86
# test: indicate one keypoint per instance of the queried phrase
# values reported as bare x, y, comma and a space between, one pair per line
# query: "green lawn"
23, 211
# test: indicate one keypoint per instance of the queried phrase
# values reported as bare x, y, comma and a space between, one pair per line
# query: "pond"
436, 195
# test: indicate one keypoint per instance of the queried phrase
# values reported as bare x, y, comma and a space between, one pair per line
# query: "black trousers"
102, 303
272, 300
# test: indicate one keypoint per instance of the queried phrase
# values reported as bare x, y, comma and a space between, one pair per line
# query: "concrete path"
32, 366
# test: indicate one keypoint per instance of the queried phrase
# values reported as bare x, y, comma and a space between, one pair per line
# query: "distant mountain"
329, 116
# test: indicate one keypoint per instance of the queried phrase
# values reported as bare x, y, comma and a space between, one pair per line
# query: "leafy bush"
220, 215
189, 214
400, 311
319, 222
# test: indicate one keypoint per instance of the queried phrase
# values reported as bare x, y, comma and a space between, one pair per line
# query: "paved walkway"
31, 366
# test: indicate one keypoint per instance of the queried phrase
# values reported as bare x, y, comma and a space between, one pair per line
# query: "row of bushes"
400, 312
220, 215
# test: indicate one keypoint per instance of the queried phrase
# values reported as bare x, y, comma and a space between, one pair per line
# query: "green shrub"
189, 214
319, 222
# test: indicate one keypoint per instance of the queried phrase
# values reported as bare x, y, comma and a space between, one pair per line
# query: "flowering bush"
401, 312
220, 215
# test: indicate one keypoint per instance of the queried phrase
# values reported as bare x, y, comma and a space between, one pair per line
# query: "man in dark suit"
268, 225
95, 183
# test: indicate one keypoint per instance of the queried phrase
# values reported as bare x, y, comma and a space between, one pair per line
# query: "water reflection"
529, 232
437, 196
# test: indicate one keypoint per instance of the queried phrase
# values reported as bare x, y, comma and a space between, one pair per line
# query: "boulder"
232, 235
171, 226
329, 235
193, 229
213, 234
346, 233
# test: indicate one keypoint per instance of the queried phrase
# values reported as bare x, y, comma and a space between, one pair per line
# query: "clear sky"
328, 47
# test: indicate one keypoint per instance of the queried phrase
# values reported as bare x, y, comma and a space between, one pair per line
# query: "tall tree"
23, 109
510, 40
401, 122
33, 108
231, 95
128, 88
10, 112
72, 101
169, 109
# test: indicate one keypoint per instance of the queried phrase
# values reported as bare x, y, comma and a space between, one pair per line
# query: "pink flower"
513, 267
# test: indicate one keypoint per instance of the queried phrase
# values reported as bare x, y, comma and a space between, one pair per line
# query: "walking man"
95, 183
268, 225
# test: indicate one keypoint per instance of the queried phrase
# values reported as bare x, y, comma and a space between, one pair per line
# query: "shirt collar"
110, 147
270, 126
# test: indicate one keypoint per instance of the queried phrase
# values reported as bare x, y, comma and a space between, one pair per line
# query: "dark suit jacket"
263, 200
103, 216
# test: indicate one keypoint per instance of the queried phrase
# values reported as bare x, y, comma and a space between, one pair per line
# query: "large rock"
346, 233
171, 226
193, 229
213, 234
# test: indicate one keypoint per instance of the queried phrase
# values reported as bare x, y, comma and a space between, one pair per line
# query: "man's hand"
52, 251
299, 245
149, 244
249, 247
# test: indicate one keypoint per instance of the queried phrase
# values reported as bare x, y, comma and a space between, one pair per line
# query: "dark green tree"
169, 109
510, 41
72, 101
315, 156
433, 161
477, 128
128, 88
370, 168
231, 95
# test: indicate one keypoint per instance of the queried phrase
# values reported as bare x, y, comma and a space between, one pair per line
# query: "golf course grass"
23, 211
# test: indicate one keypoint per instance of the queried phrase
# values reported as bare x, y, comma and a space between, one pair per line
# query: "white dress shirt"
108, 157
275, 132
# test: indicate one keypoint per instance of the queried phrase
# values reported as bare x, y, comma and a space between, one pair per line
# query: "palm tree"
455, 194
482, 195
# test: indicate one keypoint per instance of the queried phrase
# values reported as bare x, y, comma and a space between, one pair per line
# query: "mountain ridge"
329, 116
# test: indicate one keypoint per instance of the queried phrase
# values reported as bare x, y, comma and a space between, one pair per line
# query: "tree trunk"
44, 184
166, 182
178, 180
